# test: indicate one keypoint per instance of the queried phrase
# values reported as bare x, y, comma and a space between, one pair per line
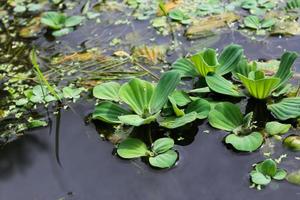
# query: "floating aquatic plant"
227, 116
60, 23
208, 66
144, 99
265, 171
161, 155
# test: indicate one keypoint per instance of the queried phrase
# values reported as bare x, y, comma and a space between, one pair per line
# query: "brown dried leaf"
206, 26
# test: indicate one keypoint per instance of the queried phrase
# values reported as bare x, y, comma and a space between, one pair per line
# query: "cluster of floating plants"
166, 106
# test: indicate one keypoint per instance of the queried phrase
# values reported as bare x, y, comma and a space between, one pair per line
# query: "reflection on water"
89, 171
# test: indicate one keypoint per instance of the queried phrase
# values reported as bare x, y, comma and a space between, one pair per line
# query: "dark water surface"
207, 170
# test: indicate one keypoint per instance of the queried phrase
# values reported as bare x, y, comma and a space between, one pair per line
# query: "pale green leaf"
287, 108
205, 61
229, 59
164, 160
73, 21
107, 91
109, 112
284, 71
166, 85
280, 174
137, 94
136, 120
53, 20
220, 85
246, 143
259, 88
132, 148
277, 128
185, 67
162, 145
225, 116
200, 106
175, 122
259, 179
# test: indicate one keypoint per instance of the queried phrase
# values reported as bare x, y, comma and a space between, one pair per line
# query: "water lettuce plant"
265, 171
60, 23
227, 116
206, 65
146, 102
255, 23
144, 99
261, 86
161, 154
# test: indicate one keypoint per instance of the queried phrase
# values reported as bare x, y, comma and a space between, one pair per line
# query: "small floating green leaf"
259, 179
247, 143
164, 160
132, 148
277, 128
162, 145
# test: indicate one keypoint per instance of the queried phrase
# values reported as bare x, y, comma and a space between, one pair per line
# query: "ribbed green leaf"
286, 109
267, 167
180, 97
247, 143
178, 112
137, 94
220, 85
107, 91
175, 122
185, 67
252, 21
132, 148
54, 20
259, 178
284, 71
277, 128
205, 61
136, 120
244, 68
109, 112
164, 160
229, 59
200, 106
162, 145
225, 116
73, 21
166, 85
259, 88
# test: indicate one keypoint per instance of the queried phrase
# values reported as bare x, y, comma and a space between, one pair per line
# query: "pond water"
207, 170
88, 168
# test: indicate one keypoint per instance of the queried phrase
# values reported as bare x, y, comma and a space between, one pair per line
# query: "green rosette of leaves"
227, 116
160, 155
205, 64
60, 23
